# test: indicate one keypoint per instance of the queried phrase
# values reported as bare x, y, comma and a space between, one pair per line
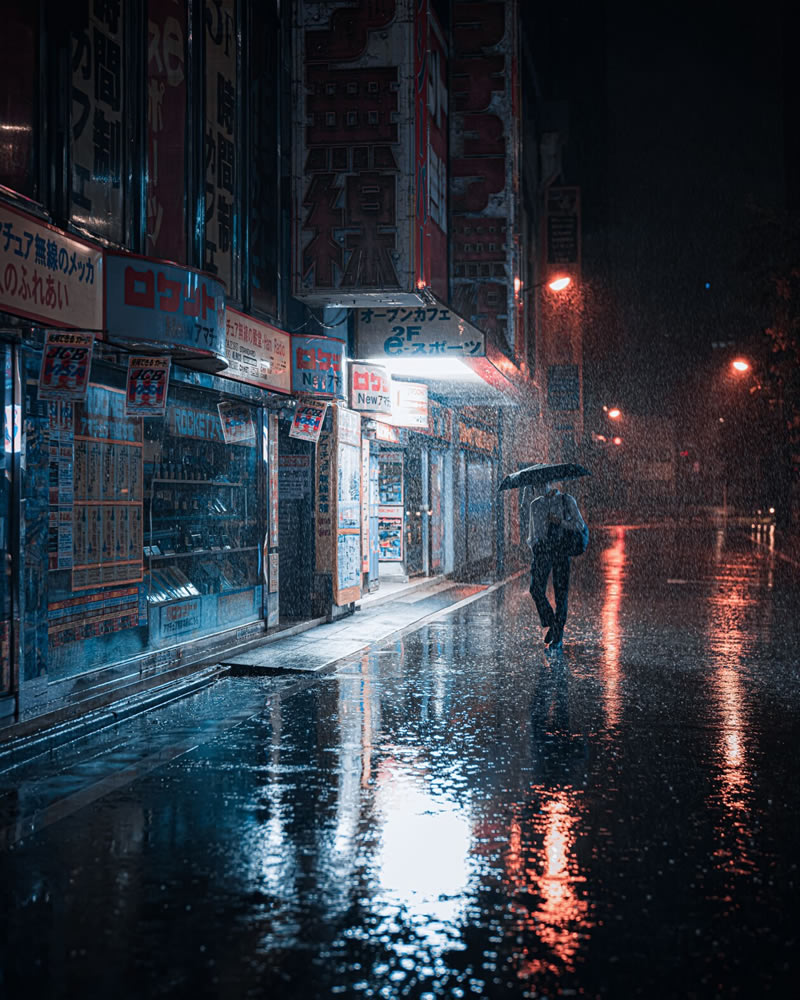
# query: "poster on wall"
348, 563
390, 533
237, 423
308, 420
146, 386
66, 362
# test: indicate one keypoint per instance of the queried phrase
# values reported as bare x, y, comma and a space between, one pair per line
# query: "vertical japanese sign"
484, 165
354, 150
307, 421
563, 226
166, 129
97, 119
430, 150
347, 571
66, 363
274, 509
264, 200
221, 137
146, 386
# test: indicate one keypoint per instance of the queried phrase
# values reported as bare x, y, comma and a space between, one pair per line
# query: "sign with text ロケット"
370, 388
318, 366
153, 302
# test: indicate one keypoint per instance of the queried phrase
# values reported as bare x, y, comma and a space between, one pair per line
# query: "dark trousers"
544, 562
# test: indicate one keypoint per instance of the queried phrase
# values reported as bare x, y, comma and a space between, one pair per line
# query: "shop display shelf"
197, 482
218, 593
202, 552
197, 516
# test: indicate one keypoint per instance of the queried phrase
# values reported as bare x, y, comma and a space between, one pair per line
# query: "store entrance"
417, 517
296, 525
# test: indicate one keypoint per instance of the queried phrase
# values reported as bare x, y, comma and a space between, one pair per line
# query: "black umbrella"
538, 475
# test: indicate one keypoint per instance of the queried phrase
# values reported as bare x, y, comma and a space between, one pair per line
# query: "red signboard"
166, 130
483, 164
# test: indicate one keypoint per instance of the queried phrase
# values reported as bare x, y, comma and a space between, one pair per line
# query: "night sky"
677, 140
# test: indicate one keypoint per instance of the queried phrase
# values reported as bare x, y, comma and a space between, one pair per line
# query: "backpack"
568, 541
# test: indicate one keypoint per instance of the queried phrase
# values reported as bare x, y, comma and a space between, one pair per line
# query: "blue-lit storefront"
135, 546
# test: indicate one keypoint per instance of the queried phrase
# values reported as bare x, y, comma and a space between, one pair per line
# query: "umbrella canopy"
538, 475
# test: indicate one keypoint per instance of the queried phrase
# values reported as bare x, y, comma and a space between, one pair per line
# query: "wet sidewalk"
388, 611
50, 775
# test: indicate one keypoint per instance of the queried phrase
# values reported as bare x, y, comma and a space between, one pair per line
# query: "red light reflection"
614, 563
542, 868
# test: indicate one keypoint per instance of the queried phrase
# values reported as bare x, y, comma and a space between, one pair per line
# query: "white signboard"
370, 388
410, 405
257, 353
423, 332
48, 276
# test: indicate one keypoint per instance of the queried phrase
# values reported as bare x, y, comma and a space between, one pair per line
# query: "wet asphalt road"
459, 814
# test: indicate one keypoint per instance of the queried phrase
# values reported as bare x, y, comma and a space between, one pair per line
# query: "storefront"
139, 487
477, 482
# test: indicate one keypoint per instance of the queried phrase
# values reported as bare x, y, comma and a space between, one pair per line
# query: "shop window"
19, 75
154, 525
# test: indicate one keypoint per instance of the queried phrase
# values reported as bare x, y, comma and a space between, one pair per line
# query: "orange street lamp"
740, 365
560, 283
614, 413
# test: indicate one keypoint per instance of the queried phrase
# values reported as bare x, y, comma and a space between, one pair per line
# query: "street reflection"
545, 883
614, 561
422, 864
726, 642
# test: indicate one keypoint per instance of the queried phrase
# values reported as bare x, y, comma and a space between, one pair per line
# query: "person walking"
556, 532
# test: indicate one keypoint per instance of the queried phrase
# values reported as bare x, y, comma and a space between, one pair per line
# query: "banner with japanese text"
221, 138
431, 332
166, 129
48, 276
257, 353
98, 144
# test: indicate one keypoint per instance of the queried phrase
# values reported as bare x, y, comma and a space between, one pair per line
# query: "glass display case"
202, 544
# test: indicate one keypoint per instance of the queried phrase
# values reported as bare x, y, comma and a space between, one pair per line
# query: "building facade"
262, 324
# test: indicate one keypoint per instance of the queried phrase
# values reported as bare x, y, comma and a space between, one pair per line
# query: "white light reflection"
726, 639
614, 563
423, 861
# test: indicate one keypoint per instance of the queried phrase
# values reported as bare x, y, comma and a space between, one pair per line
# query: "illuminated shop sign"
151, 302
431, 333
370, 388
48, 276
318, 366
